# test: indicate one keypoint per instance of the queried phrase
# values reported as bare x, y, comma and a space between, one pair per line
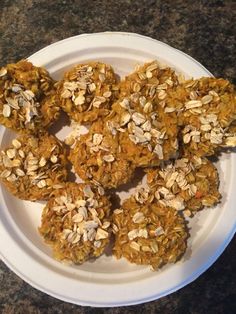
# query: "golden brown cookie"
188, 184
98, 156
28, 99
76, 222
206, 107
149, 79
149, 233
87, 91
147, 134
31, 167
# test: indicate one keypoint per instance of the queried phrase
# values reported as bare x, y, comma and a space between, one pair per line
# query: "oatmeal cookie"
188, 184
149, 233
76, 222
97, 156
149, 79
206, 107
147, 134
31, 167
28, 99
87, 91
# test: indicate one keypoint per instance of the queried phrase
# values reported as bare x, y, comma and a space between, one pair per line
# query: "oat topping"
3, 72
87, 90
81, 222
84, 228
22, 99
206, 108
139, 116
184, 184
98, 157
33, 174
28, 99
210, 129
138, 217
145, 234
140, 130
108, 158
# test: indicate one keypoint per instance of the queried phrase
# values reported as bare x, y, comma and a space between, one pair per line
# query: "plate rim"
153, 297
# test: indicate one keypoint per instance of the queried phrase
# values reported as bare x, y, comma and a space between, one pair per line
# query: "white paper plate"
108, 282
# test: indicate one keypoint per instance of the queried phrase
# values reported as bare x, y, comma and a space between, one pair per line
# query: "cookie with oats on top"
147, 134
31, 167
76, 222
98, 157
206, 108
149, 233
87, 91
28, 99
187, 184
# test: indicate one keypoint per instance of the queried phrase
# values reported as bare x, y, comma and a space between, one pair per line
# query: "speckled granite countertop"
203, 29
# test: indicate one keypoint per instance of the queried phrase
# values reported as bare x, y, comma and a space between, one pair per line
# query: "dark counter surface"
203, 29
